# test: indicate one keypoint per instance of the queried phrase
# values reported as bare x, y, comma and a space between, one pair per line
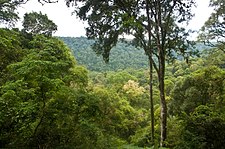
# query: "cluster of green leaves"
38, 90
213, 30
33, 22
7, 11
11, 49
38, 23
196, 102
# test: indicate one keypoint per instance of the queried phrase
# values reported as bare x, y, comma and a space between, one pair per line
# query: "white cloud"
202, 13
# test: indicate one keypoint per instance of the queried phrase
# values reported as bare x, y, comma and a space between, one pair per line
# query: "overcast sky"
69, 25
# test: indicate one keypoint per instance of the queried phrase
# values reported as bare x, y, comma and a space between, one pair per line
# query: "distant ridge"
122, 56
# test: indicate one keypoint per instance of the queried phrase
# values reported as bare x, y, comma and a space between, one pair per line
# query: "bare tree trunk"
163, 120
151, 100
162, 98
149, 53
160, 41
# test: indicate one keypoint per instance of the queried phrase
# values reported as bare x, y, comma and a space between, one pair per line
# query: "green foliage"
203, 129
197, 102
203, 87
119, 78
214, 57
175, 130
37, 23
123, 56
130, 146
153, 24
7, 12
11, 49
48, 101
213, 30
41, 91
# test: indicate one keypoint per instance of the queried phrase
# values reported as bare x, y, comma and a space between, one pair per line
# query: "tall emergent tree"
214, 28
153, 24
38, 23
7, 11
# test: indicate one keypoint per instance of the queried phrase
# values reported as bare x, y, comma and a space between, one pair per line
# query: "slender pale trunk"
151, 99
163, 115
160, 40
149, 53
156, 15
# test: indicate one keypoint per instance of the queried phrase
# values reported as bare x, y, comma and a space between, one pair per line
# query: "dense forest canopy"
55, 92
123, 56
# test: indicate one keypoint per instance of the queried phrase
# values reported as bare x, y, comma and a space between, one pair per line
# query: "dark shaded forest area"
58, 92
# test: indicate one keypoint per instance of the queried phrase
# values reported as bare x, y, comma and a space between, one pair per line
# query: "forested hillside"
48, 100
56, 93
122, 56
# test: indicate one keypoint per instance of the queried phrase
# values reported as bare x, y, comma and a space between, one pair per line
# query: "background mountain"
122, 56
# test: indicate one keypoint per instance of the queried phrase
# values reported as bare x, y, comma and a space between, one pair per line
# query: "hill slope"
122, 56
